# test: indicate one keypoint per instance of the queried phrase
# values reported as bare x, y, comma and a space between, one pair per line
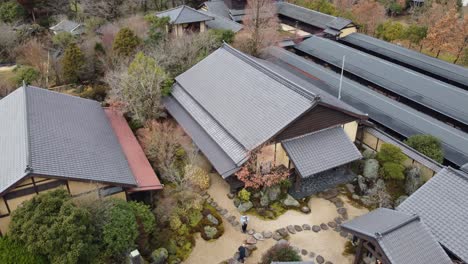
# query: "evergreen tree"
126, 42
72, 63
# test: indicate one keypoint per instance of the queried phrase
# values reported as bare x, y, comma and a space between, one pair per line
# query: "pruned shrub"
12, 253
125, 42
197, 176
390, 153
394, 171
244, 195
280, 252
427, 145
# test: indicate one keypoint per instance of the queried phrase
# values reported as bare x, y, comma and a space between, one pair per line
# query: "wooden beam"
358, 256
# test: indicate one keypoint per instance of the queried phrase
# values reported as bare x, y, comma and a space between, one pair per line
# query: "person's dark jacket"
241, 252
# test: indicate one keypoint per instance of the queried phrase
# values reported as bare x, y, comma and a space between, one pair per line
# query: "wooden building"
50, 140
184, 19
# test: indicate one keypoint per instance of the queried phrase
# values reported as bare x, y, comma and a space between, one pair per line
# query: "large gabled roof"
220, 22
184, 14
442, 205
304, 15
403, 238
434, 94
413, 58
389, 113
57, 135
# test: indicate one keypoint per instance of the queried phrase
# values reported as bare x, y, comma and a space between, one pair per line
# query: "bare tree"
442, 35
260, 27
369, 14
8, 42
108, 9
33, 54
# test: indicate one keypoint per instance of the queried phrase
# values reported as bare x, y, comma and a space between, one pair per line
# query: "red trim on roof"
136, 158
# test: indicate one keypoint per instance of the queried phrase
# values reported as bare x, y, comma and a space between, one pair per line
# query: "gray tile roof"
332, 31
464, 167
249, 101
413, 58
434, 94
220, 22
339, 23
218, 7
321, 151
403, 238
442, 205
67, 26
58, 135
304, 15
184, 14
387, 112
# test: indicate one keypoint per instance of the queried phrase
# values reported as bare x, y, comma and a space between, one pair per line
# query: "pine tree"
125, 42
72, 63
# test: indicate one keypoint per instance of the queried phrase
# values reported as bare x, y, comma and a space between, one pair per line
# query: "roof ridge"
180, 12
311, 133
390, 229
28, 168
304, 8
272, 74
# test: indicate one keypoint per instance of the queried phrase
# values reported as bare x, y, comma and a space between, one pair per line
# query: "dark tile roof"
220, 22
53, 134
434, 94
394, 115
321, 151
416, 59
442, 205
403, 238
339, 23
218, 7
304, 15
184, 14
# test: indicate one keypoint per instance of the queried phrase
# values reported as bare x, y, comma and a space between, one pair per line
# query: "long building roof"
403, 238
57, 135
434, 94
442, 205
413, 58
394, 115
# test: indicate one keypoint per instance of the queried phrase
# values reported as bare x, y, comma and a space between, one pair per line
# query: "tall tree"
125, 42
461, 39
107, 9
415, 34
443, 33
260, 26
72, 63
369, 14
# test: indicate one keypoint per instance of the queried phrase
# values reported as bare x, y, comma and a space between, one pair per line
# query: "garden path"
327, 243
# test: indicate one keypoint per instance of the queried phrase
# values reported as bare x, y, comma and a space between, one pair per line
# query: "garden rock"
368, 154
277, 236
400, 200
316, 228
223, 212
343, 234
251, 240
282, 231
274, 193
355, 197
210, 231
329, 194
306, 227
282, 242
332, 224
251, 232
323, 226
341, 211
212, 219
290, 201
244, 207
258, 236
362, 184
350, 187
231, 195
320, 259
264, 200
304, 252
291, 229
236, 201
305, 209
371, 169
311, 255
413, 180
367, 201
160, 256
298, 228
267, 234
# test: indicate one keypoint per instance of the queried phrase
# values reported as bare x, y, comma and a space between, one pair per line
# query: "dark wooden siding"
318, 118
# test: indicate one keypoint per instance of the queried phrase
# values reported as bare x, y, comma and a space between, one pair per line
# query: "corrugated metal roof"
304, 15
404, 238
66, 26
385, 111
220, 22
321, 151
442, 205
248, 100
223, 164
416, 59
442, 97
184, 14
68, 137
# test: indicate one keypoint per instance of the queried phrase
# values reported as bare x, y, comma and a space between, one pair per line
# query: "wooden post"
358, 256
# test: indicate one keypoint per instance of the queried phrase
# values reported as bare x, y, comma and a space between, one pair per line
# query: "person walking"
242, 252
244, 221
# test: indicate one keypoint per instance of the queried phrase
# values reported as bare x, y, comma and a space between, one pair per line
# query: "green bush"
244, 195
280, 252
13, 253
10, 11
390, 153
427, 145
391, 170
25, 73
221, 35
390, 31
125, 42
72, 63
63, 39
349, 249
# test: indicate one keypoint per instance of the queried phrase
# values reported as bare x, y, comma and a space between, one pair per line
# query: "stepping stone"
316, 228
277, 236
341, 211
306, 227
223, 212
291, 229
298, 228
323, 226
311, 254
282, 231
231, 218
258, 236
202, 193
251, 247
343, 234
267, 234
339, 204
345, 216
251, 232
296, 249
332, 224
214, 204
236, 223
231, 195
251, 240
320, 259
338, 220
218, 208
304, 252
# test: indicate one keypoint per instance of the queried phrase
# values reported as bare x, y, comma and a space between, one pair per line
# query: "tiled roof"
59, 135
403, 238
66, 26
184, 14
413, 58
220, 22
321, 151
339, 23
387, 112
444, 98
304, 15
442, 205
218, 7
